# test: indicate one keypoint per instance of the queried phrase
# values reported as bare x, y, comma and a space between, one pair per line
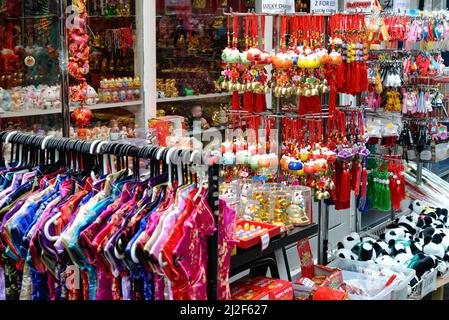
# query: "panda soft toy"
392, 235
367, 252
350, 241
426, 232
433, 246
387, 261
368, 239
443, 216
437, 224
404, 258
424, 221
423, 265
416, 245
440, 265
381, 248
346, 254
401, 247
445, 238
417, 206
407, 223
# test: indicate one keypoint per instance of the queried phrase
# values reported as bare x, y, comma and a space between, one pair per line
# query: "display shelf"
110, 17
30, 113
114, 105
47, 16
196, 97
442, 281
246, 257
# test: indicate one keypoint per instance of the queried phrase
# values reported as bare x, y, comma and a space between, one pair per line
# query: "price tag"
324, 6
265, 241
411, 154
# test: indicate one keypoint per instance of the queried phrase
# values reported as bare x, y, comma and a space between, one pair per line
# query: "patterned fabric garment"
226, 244
101, 237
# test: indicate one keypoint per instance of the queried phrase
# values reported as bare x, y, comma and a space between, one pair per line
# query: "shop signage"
359, 6
278, 6
323, 6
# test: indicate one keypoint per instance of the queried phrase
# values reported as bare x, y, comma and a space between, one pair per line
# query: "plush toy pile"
419, 241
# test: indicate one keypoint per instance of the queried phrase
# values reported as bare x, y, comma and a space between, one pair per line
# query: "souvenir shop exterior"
223, 149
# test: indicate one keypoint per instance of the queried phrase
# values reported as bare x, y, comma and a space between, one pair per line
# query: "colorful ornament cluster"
78, 66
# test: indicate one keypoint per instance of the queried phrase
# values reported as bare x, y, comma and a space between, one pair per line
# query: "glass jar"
280, 203
246, 187
300, 208
262, 195
249, 209
228, 190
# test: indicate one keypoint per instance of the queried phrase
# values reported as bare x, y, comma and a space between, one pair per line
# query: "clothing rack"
36, 149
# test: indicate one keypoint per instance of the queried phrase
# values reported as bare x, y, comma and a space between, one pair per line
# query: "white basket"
426, 285
396, 291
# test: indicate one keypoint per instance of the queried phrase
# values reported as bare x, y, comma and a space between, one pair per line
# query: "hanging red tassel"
363, 77
260, 103
332, 100
308, 105
356, 179
345, 194
340, 75
357, 79
248, 103
235, 100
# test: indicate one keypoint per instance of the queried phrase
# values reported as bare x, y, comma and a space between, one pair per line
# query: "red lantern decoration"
82, 116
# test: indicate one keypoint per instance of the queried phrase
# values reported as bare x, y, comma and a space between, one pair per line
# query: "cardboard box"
323, 277
167, 128
314, 276
261, 288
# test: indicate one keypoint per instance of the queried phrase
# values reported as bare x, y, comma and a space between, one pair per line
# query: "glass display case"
29, 66
31, 53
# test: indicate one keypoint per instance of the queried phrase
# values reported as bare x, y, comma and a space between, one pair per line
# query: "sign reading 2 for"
323, 6
278, 6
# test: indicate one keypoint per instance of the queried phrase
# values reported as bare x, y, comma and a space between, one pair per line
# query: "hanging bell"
308, 93
332, 185
267, 89
326, 195
276, 91
224, 85
254, 85
289, 91
314, 92
283, 91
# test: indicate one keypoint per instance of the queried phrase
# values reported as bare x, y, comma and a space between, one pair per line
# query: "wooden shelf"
196, 97
442, 281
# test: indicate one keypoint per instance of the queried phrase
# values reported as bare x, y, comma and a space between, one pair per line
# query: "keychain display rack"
394, 59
